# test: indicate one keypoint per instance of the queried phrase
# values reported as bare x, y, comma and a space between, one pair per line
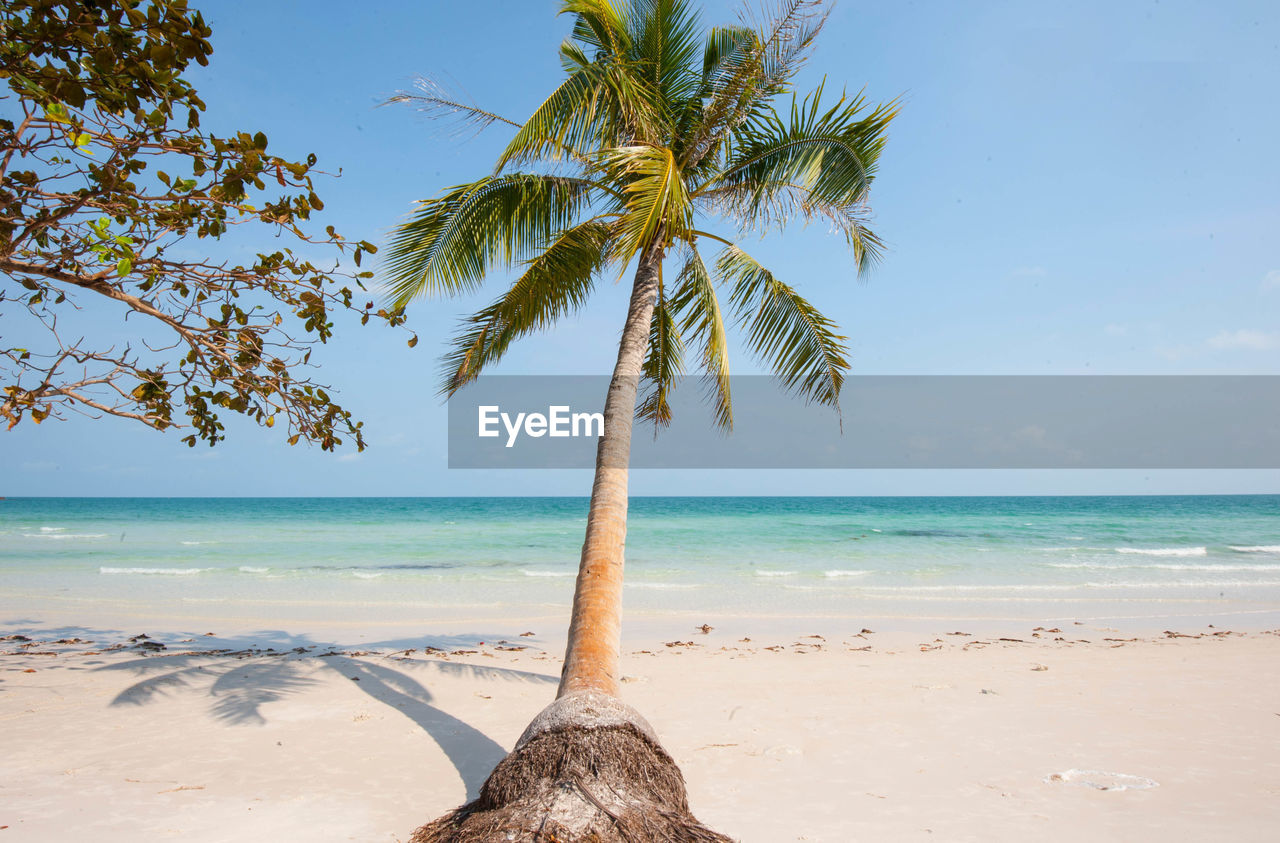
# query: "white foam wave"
836, 574
52, 529
174, 572
253, 569
1164, 551
1261, 548
192, 544
775, 573
1097, 566
64, 535
548, 573
367, 575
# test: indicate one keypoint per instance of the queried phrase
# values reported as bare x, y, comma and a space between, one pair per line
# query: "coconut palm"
663, 140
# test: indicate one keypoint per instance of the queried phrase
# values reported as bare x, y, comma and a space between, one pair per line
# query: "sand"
850, 736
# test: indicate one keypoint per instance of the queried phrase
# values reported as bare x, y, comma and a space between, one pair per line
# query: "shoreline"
373, 625
891, 734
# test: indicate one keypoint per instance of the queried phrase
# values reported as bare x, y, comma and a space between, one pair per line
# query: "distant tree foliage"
107, 185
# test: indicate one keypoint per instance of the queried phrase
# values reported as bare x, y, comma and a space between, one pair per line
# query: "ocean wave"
174, 572
1186, 584
52, 535
253, 569
1072, 548
366, 575
529, 573
191, 544
1261, 548
52, 529
776, 573
1164, 551
418, 567
835, 574
1101, 566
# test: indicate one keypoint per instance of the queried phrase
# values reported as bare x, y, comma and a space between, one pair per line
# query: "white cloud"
1271, 281
1246, 339
1029, 272
349, 457
1114, 330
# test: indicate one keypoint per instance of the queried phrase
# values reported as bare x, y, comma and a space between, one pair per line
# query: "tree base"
587, 769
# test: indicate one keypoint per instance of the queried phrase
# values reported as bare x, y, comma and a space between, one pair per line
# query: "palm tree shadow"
472, 753
241, 685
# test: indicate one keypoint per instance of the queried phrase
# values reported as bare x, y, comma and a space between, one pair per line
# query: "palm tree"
657, 133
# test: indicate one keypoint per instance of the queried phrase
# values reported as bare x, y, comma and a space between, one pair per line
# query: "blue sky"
1071, 188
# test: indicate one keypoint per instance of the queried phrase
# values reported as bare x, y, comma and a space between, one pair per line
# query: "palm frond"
564, 124
695, 306
786, 332
600, 104
600, 25
832, 153
820, 162
654, 198
437, 102
555, 283
726, 48
663, 365
664, 35
758, 210
450, 241
745, 79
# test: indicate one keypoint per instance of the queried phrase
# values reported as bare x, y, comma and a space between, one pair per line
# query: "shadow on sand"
243, 674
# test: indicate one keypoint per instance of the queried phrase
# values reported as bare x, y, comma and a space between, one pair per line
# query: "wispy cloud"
349, 458
1114, 330
1028, 272
1245, 339
1271, 281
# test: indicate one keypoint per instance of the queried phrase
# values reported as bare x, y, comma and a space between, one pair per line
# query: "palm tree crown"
658, 134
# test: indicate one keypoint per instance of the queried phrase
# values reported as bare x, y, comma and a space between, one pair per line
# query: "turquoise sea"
294, 561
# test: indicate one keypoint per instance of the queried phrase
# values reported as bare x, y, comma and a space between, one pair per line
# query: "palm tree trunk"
595, 630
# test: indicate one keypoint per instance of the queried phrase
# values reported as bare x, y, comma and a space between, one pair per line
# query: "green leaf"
701, 321
663, 365
654, 196
451, 241
784, 330
554, 284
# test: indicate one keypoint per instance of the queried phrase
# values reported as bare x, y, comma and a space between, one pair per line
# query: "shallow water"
441, 558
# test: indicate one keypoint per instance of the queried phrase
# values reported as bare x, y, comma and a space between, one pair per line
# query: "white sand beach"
1064, 733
